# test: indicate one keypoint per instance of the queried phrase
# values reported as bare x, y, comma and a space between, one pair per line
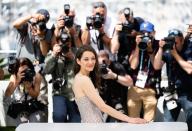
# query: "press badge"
141, 79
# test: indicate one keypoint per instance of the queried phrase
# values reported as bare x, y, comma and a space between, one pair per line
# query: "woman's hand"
137, 121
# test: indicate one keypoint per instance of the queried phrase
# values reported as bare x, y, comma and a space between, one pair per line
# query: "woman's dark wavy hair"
94, 75
25, 61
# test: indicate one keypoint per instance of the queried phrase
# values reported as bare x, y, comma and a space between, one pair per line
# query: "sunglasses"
99, 4
175, 32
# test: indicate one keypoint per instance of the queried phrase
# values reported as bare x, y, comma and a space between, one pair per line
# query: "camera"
95, 21
27, 106
103, 68
29, 74
57, 85
67, 19
144, 41
170, 94
128, 13
127, 27
64, 38
41, 25
169, 43
13, 64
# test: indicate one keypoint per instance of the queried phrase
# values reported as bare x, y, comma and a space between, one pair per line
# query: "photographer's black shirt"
183, 81
186, 79
111, 89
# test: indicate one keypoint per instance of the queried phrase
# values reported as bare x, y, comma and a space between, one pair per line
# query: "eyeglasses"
99, 4
175, 32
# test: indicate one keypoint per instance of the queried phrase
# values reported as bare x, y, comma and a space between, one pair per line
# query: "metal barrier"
154, 126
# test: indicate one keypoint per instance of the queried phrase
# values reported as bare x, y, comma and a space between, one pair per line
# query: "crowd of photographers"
136, 69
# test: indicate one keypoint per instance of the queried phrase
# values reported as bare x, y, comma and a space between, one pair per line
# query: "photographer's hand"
38, 17
161, 43
59, 25
20, 74
70, 55
138, 39
109, 75
60, 22
149, 47
118, 27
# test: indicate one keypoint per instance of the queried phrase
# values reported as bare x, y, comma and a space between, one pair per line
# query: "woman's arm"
90, 91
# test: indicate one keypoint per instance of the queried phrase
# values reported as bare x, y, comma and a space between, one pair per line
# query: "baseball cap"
45, 13
175, 32
147, 26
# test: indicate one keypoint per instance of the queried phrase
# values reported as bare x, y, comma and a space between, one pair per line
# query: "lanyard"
141, 64
98, 42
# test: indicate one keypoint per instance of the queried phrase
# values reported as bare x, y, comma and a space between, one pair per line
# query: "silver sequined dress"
88, 111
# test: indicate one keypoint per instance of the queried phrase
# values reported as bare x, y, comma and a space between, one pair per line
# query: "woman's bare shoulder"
81, 78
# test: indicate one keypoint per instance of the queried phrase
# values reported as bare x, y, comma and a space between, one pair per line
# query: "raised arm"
90, 91
185, 65
158, 63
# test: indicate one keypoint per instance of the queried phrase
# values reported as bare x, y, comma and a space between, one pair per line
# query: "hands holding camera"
20, 74
37, 17
110, 75
144, 43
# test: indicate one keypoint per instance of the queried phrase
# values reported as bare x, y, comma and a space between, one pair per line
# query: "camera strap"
98, 42
141, 62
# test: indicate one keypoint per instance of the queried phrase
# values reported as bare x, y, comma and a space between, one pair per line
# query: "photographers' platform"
153, 126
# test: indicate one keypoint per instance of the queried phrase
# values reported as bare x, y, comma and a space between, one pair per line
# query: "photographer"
34, 38
99, 28
123, 40
23, 90
143, 94
114, 82
66, 21
59, 63
177, 55
34, 42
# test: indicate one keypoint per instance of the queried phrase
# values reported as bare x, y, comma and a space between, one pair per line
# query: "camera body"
68, 19
103, 69
169, 43
127, 27
27, 106
41, 25
64, 38
144, 41
169, 93
95, 21
29, 74
13, 64
57, 85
